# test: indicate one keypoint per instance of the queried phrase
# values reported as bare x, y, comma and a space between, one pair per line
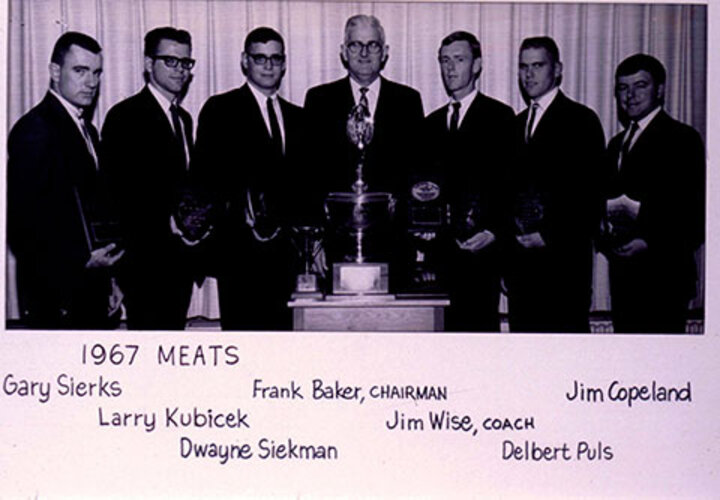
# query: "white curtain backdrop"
593, 39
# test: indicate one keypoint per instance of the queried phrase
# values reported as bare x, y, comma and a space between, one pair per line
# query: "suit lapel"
70, 134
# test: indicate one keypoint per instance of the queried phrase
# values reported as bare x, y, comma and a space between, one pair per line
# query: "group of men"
531, 196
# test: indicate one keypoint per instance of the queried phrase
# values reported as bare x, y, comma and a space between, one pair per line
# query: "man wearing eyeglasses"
147, 142
249, 156
396, 111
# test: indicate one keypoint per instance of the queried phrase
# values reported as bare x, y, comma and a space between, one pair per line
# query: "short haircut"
157, 35
70, 38
642, 62
542, 42
360, 19
463, 36
263, 34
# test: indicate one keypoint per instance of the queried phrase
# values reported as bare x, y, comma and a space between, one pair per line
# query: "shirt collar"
259, 96
161, 99
465, 101
644, 122
374, 87
75, 112
547, 99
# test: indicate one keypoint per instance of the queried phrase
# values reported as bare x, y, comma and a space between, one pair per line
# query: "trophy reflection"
359, 223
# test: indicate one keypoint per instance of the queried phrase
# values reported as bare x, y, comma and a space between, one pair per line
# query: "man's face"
78, 78
638, 94
170, 81
458, 68
264, 65
537, 72
364, 53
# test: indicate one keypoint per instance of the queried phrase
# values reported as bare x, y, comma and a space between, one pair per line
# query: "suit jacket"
473, 165
52, 197
562, 165
392, 150
146, 172
665, 171
234, 153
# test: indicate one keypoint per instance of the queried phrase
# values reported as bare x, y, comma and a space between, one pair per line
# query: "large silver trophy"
359, 222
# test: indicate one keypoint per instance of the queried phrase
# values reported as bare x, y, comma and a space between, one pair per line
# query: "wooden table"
367, 314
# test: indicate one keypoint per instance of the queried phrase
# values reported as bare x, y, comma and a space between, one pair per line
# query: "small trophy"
306, 240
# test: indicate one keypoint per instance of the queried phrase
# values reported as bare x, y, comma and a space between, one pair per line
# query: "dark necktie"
88, 140
455, 117
276, 138
627, 143
175, 114
364, 101
531, 122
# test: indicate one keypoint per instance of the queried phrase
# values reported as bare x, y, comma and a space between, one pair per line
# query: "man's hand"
477, 242
633, 247
104, 257
532, 240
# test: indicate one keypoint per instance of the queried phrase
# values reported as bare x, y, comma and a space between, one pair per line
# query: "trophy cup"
306, 240
357, 221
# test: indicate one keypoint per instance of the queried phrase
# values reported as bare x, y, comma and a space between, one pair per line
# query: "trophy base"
306, 287
351, 278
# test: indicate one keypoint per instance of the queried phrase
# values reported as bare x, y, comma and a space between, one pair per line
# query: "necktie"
455, 117
88, 140
531, 122
627, 143
276, 138
175, 114
364, 100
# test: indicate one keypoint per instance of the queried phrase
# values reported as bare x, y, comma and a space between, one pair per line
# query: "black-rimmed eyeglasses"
261, 59
356, 47
172, 61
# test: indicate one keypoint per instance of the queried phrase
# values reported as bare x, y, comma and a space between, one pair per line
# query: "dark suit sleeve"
44, 227
672, 217
575, 208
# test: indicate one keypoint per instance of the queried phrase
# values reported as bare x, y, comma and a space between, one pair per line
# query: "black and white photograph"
404, 176
382, 248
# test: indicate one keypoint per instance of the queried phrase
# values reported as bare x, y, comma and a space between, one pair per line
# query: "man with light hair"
396, 111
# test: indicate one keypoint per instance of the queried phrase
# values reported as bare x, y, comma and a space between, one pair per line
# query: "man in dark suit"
469, 144
655, 205
147, 141
54, 197
557, 202
396, 112
249, 156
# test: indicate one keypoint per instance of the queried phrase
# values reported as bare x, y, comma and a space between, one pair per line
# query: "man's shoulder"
40, 121
570, 106
399, 89
438, 114
675, 130
131, 105
493, 106
232, 97
328, 89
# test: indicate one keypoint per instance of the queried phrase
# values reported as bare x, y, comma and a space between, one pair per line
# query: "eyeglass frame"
172, 62
262, 59
356, 47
